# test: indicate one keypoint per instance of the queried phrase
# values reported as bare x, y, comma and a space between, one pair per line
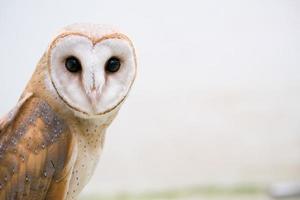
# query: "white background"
217, 95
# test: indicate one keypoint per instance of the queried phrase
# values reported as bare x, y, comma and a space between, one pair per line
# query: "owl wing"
36, 152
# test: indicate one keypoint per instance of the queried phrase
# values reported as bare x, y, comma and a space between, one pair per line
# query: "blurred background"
215, 110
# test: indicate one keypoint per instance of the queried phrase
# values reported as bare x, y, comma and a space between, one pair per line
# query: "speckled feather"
35, 153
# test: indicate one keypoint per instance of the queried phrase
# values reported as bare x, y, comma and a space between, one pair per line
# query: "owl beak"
94, 97
94, 83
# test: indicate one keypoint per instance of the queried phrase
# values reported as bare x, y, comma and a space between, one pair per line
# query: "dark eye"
73, 64
113, 65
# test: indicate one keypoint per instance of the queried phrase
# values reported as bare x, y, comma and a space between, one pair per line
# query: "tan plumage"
36, 150
48, 147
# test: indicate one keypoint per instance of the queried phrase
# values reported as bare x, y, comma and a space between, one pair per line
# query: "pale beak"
94, 82
94, 97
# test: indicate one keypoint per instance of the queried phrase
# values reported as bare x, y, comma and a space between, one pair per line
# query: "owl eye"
73, 64
113, 65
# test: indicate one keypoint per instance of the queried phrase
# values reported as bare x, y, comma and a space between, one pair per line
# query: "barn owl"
50, 142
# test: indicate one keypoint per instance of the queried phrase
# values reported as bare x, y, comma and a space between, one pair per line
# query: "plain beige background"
217, 99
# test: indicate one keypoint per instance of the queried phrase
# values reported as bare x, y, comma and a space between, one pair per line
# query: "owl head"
92, 68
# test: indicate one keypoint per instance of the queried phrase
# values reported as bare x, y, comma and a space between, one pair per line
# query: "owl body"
74, 94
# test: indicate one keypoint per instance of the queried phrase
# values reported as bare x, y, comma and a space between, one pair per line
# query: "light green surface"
196, 193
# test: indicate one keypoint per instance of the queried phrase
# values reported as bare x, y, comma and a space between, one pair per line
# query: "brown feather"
35, 154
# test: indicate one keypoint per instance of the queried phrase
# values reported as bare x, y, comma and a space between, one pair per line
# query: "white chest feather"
90, 145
